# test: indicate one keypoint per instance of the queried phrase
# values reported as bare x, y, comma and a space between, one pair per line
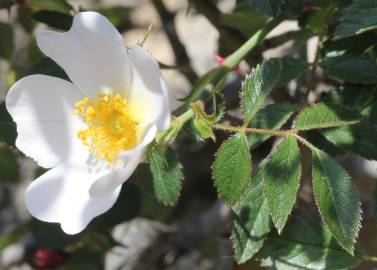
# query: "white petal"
148, 89
92, 53
61, 195
42, 107
131, 159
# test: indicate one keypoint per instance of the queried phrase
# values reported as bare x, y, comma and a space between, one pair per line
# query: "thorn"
220, 60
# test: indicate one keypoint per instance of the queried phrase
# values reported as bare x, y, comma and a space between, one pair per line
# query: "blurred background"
139, 233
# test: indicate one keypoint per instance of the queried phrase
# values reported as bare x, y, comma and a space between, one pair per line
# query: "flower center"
110, 125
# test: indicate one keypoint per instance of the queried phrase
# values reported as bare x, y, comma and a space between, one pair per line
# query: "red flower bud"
46, 258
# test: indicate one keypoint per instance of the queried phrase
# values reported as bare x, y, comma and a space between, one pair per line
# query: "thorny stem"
280, 133
232, 60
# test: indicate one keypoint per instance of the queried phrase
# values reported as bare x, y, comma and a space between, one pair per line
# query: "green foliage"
271, 117
50, 235
8, 131
336, 199
164, 175
126, 207
351, 69
323, 116
10, 237
291, 69
48, 67
246, 20
56, 5
6, 3
321, 18
231, 168
251, 222
54, 19
257, 86
9, 166
7, 41
361, 137
117, 15
358, 18
305, 244
208, 80
319, 140
298, 113
269, 7
282, 180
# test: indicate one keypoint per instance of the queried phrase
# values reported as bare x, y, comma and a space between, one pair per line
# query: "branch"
181, 56
232, 39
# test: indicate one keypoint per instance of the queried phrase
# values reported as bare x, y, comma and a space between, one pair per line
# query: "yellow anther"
110, 125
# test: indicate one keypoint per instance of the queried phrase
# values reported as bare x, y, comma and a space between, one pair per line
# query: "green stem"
370, 258
232, 60
165, 137
280, 133
183, 118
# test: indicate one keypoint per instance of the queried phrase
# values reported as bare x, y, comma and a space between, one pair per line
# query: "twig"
280, 133
179, 50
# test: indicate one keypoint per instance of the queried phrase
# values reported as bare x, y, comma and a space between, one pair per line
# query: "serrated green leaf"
9, 166
358, 18
6, 41
336, 199
54, 19
251, 222
305, 244
167, 175
282, 180
257, 86
323, 115
349, 68
271, 117
232, 168
291, 69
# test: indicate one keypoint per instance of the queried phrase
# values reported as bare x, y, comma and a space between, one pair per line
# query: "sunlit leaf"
282, 179
251, 222
257, 86
323, 115
336, 199
232, 168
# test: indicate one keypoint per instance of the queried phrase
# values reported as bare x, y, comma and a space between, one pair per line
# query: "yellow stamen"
111, 127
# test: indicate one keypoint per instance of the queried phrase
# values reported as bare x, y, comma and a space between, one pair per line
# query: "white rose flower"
91, 132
